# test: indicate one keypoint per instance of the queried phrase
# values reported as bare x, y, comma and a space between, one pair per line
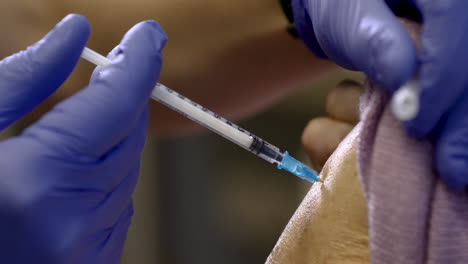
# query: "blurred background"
200, 198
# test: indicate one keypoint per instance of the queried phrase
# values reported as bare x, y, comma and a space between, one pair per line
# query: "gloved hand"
66, 182
366, 35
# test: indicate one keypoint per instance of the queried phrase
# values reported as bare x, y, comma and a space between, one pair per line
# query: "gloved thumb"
29, 77
365, 35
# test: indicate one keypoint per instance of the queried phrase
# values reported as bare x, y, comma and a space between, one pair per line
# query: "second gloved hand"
366, 35
66, 183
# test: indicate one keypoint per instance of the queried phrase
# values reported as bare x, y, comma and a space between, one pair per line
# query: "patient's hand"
322, 135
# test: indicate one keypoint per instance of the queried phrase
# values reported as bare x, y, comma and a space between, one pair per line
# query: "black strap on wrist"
288, 12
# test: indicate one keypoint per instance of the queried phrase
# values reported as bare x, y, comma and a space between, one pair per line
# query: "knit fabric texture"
413, 217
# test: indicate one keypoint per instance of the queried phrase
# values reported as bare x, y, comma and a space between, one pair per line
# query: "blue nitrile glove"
66, 183
366, 35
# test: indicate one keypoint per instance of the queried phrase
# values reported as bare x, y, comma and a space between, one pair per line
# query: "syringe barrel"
216, 123
203, 116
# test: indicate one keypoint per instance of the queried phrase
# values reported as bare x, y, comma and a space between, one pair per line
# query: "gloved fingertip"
145, 39
27, 78
146, 32
72, 32
74, 20
372, 40
394, 58
138, 56
157, 32
60, 49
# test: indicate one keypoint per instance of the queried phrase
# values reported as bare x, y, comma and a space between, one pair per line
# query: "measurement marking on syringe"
204, 109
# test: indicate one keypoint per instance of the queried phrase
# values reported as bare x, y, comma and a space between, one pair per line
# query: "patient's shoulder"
330, 226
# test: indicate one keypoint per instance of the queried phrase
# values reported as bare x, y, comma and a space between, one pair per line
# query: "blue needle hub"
298, 168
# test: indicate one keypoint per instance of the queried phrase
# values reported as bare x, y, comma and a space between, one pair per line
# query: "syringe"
219, 125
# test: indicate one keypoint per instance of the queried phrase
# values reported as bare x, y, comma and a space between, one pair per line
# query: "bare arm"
233, 57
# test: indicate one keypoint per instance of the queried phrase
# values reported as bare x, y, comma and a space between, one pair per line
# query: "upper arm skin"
330, 226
